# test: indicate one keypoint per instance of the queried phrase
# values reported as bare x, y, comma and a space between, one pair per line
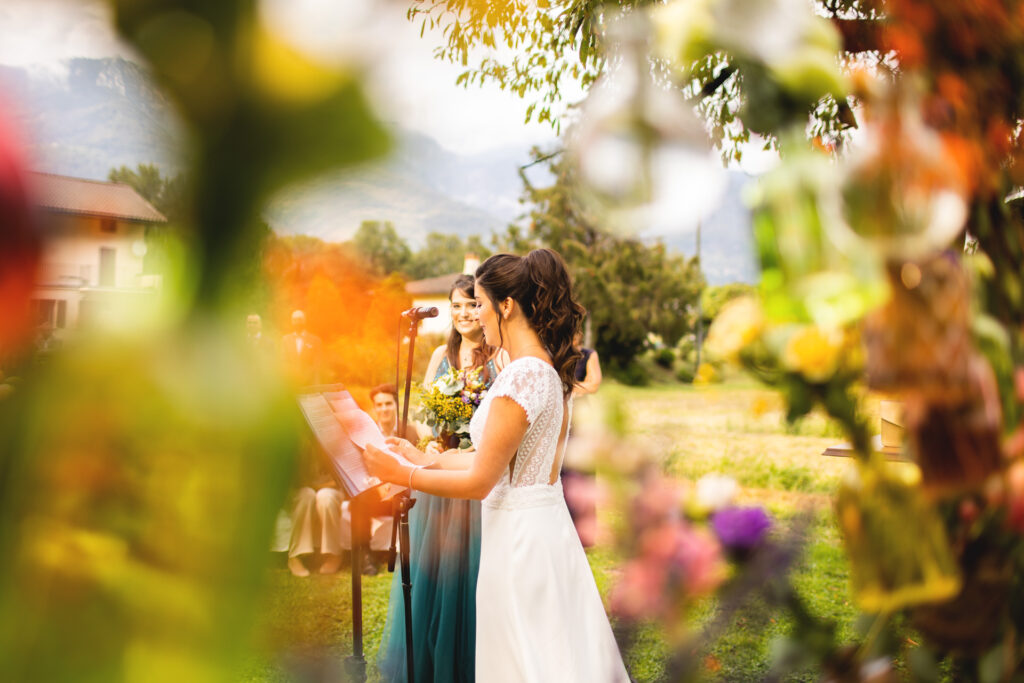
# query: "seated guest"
316, 520
385, 408
321, 520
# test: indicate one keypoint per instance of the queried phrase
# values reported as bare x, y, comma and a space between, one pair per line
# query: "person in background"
316, 520
385, 412
385, 408
316, 515
579, 484
301, 352
258, 343
588, 369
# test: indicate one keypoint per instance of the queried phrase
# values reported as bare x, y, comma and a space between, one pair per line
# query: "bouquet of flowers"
448, 404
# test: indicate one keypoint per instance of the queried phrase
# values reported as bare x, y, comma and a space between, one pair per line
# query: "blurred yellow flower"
737, 325
705, 374
813, 351
762, 405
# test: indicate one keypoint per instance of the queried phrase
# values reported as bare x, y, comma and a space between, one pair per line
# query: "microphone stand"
403, 502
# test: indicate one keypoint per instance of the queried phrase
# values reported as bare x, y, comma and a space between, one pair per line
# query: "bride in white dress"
539, 614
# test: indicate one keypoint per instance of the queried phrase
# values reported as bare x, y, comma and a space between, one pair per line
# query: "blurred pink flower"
697, 556
640, 593
660, 500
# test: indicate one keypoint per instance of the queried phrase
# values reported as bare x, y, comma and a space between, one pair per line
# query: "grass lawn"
305, 629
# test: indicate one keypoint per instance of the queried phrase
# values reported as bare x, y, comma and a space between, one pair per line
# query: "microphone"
420, 312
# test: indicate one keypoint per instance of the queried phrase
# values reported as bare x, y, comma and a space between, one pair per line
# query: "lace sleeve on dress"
524, 383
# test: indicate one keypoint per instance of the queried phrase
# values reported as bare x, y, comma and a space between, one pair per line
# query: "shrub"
665, 358
633, 374
685, 373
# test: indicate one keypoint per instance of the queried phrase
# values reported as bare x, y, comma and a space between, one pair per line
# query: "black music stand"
366, 500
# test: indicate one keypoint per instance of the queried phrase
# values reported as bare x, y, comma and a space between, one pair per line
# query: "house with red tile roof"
95, 246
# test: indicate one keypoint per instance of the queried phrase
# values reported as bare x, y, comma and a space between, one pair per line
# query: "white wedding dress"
539, 616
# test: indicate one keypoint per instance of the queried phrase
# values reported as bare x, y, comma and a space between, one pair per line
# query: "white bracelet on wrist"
419, 467
413, 471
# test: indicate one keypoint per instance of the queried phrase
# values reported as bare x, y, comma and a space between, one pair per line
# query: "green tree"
631, 289
168, 195
444, 253
713, 298
441, 254
557, 47
383, 248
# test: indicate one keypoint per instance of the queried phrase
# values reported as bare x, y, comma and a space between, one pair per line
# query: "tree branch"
715, 83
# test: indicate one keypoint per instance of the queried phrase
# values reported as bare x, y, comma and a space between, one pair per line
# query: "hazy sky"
411, 86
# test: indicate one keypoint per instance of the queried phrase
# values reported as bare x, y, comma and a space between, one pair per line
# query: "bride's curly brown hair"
539, 282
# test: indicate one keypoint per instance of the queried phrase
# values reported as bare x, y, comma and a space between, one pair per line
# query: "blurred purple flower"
741, 528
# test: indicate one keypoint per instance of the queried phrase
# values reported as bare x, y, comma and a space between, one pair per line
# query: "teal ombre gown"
444, 544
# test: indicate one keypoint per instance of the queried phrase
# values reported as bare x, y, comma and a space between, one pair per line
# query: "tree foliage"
631, 289
378, 244
713, 298
167, 194
444, 253
381, 246
555, 49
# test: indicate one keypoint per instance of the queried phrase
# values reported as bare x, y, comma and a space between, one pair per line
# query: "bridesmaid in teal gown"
444, 542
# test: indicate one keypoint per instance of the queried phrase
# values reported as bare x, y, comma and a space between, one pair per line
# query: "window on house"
108, 225
108, 266
44, 310
51, 311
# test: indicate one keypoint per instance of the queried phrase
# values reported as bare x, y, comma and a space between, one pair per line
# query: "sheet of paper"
362, 429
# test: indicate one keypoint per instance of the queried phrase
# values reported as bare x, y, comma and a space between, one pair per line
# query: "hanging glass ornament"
903, 193
643, 160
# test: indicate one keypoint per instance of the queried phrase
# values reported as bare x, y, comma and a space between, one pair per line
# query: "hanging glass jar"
903, 194
642, 158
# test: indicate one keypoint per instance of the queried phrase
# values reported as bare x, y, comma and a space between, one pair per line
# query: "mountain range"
98, 114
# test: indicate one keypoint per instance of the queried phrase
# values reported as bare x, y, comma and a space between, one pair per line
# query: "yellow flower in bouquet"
813, 351
737, 325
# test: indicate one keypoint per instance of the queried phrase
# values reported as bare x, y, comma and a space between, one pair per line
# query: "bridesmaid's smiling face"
464, 314
488, 317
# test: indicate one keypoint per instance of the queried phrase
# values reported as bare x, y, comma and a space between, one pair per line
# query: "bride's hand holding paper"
409, 452
384, 465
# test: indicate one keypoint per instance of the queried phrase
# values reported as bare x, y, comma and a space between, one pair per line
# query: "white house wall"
72, 255
443, 322
70, 272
